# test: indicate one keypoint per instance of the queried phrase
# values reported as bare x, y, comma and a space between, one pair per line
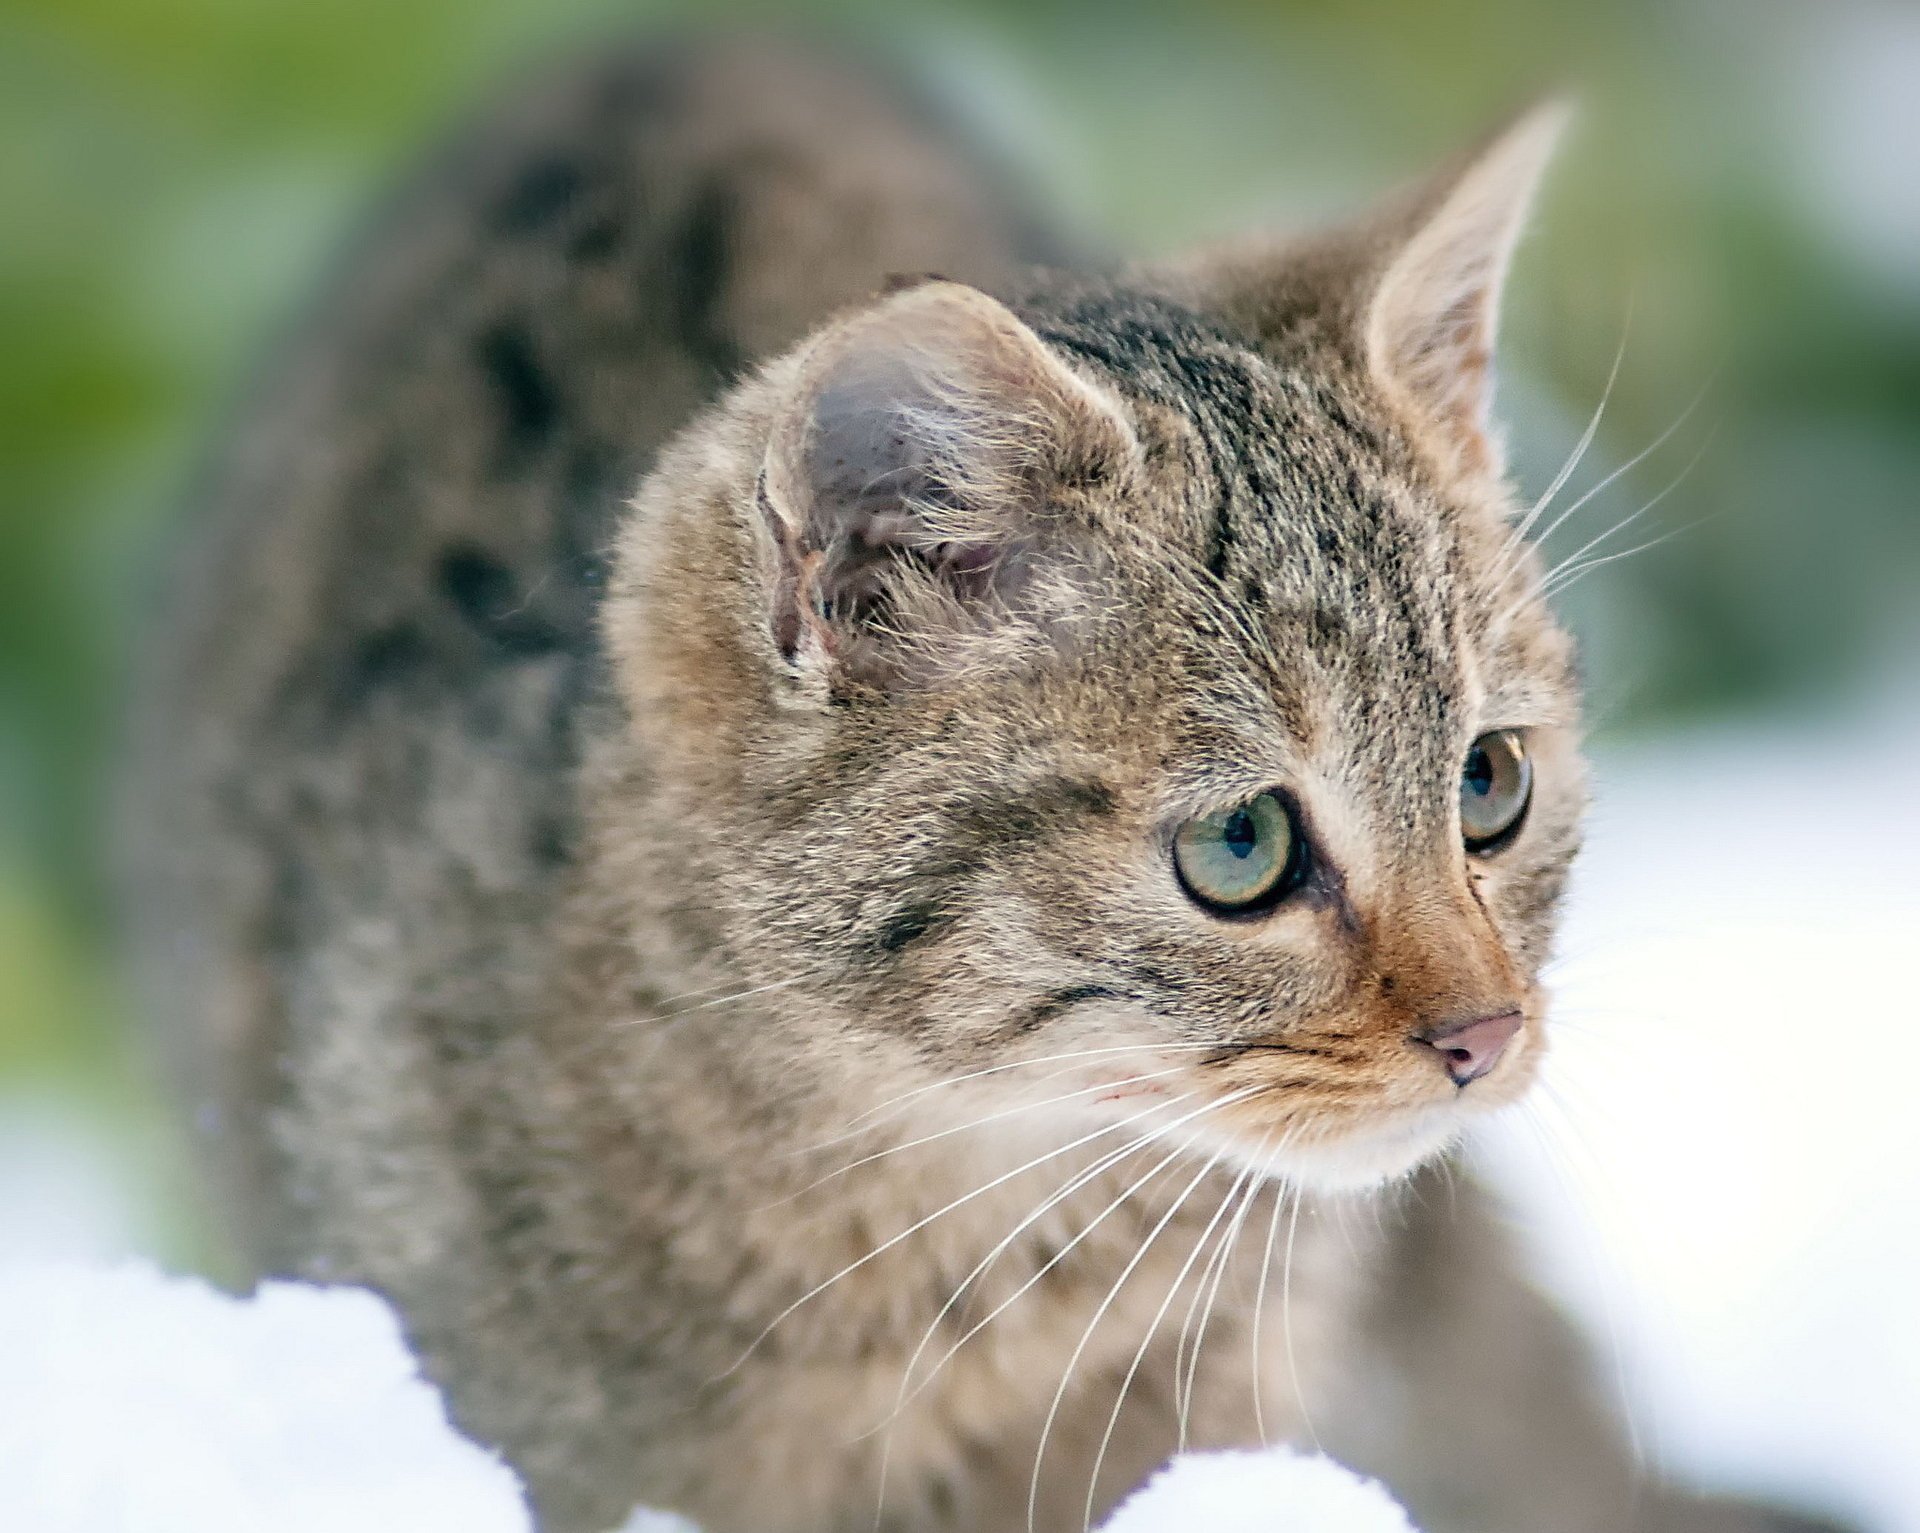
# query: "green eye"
1240, 857
1495, 786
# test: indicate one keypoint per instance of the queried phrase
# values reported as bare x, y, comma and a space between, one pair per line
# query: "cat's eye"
1240, 859
1496, 784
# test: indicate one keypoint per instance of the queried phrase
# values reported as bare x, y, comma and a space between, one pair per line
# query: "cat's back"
349, 806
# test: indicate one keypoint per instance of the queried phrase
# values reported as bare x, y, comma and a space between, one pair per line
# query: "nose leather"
1470, 1049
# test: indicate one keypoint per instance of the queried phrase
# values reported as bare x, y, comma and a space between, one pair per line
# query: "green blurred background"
175, 174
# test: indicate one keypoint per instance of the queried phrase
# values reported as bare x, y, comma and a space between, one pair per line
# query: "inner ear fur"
916, 472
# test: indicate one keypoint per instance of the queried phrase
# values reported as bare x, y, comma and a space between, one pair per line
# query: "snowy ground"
1733, 1198
133, 1402
1720, 1179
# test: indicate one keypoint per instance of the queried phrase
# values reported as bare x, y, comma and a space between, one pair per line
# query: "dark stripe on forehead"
1176, 358
1302, 539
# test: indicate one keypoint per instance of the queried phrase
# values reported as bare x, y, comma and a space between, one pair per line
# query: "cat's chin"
1361, 1161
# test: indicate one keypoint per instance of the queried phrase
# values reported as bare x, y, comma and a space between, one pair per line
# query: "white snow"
1729, 1188
1274, 1491
135, 1402
131, 1402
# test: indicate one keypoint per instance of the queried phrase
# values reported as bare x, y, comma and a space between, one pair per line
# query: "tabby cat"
839, 880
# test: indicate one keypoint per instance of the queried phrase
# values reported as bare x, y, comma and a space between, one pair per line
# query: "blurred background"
1739, 209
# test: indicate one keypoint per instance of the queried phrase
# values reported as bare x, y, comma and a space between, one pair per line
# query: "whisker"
723, 1000
1182, 1374
860, 1125
1260, 1295
1609, 480
1580, 447
1101, 1164
1286, 1324
1099, 1088
1182, 1392
1547, 580
1549, 1096
906, 1395
1222, 1259
1153, 1327
1578, 572
1061, 1255
1086, 1336
922, 1223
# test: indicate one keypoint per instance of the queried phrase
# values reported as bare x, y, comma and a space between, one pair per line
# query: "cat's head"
1136, 686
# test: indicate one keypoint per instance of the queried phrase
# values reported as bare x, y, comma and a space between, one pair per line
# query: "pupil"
1479, 771
1240, 833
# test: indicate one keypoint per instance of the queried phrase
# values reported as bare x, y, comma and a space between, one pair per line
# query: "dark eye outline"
1499, 840
1292, 875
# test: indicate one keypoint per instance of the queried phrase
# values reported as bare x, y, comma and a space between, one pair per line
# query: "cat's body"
575, 929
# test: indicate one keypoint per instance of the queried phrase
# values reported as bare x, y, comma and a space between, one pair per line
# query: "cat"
842, 850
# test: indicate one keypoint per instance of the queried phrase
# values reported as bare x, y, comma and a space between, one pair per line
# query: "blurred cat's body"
715, 964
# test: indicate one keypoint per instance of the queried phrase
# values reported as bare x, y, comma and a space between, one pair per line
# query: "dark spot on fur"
1223, 536
477, 584
1328, 627
1152, 976
382, 659
596, 240
1055, 1004
1279, 1046
544, 191
906, 281
550, 842
529, 408
1053, 805
1084, 796
908, 925
703, 265
486, 595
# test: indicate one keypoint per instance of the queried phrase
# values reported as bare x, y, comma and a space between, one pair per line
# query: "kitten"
847, 993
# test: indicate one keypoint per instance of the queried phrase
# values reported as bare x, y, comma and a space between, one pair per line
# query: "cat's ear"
1431, 322
915, 479
1414, 289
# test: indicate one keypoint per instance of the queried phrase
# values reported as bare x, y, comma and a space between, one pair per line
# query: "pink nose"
1471, 1049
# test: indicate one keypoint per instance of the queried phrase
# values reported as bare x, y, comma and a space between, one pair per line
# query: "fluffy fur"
747, 1020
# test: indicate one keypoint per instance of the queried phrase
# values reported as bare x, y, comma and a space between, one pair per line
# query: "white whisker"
1061, 1255
1086, 1336
914, 1228
1260, 1296
1222, 1259
1572, 576
1106, 1161
1546, 580
1153, 1327
1548, 1096
722, 1000
924, 1222
1286, 1324
1630, 465
1579, 452
861, 1124
1099, 1088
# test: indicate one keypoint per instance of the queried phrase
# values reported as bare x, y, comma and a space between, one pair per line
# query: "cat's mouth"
1338, 1146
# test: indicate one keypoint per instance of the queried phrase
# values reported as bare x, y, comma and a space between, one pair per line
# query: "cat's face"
1158, 722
